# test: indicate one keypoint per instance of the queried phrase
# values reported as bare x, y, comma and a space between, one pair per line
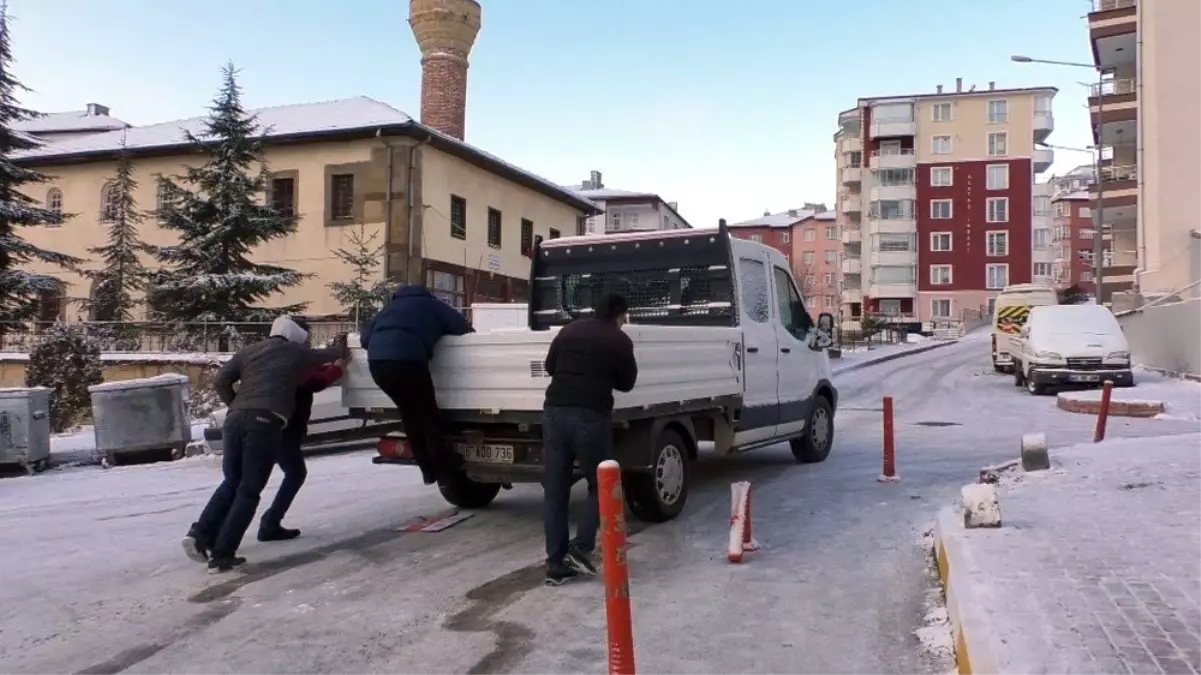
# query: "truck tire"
659, 496
815, 445
465, 493
1019, 377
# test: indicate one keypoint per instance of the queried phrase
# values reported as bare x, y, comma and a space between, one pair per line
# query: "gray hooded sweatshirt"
268, 372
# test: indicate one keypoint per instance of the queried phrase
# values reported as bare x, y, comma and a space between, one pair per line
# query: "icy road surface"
94, 580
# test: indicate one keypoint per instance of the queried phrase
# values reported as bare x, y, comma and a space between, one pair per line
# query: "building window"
527, 237
757, 238
997, 243
890, 307
1087, 233
998, 210
940, 242
940, 275
941, 176
666, 223
998, 177
893, 177
996, 276
1042, 238
940, 308
893, 209
341, 196
827, 279
856, 159
894, 242
1042, 205
1042, 269
940, 209
1084, 212
494, 227
998, 112
584, 225
54, 203
447, 287
108, 203
1087, 276
831, 257
998, 144
785, 237
810, 234
283, 196
831, 234
807, 257
458, 217
831, 301
941, 112
554, 234
940, 145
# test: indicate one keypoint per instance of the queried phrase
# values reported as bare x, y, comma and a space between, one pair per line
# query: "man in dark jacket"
267, 373
587, 361
291, 457
400, 343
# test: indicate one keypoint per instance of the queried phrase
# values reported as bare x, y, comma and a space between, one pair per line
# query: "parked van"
1070, 345
1009, 315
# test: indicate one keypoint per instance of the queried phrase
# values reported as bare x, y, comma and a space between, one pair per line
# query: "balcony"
893, 192
893, 258
850, 205
896, 226
852, 295
1044, 124
1119, 177
1112, 28
851, 235
890, 128
851, 175
1043, 159
904, 158
892, 290
852, 266
850, 144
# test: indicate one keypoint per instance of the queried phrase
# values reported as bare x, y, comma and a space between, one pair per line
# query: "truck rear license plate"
489, 453
1085, 378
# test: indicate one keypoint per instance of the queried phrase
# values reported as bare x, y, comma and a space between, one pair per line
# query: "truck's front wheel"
815, 445
465, 493
659, 496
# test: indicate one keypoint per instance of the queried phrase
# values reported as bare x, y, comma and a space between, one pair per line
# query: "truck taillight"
994, 342
389, 446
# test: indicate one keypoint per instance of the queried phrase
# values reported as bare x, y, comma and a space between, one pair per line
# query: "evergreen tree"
366, 292
123, 273
20, 289
67, 361
218, 211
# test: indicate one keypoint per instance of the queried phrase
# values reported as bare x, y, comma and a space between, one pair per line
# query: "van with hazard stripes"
1009, 315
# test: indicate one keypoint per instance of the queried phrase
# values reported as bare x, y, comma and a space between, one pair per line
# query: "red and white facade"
809, 238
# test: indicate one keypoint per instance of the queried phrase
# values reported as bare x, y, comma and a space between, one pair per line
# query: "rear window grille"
538, 369
688, 295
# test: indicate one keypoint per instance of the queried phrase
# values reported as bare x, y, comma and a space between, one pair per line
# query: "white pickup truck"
727, 354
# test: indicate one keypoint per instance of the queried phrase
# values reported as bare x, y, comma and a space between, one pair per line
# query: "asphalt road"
94, 580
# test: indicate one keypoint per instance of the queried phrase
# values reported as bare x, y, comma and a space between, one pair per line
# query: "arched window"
108, 203
54, 203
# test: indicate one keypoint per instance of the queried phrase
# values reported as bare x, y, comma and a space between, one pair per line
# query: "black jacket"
587, 361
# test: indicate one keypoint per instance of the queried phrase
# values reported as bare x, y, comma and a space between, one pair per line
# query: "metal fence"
170, 338
854, 339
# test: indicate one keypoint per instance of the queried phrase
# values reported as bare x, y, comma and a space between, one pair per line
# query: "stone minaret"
445, 32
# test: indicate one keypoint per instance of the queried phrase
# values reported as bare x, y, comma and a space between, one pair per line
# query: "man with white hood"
267, 373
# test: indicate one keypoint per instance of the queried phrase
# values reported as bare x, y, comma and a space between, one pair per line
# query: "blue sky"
727, 111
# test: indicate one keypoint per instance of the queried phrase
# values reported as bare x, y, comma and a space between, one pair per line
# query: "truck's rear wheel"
465, 493
659, 496
815, 445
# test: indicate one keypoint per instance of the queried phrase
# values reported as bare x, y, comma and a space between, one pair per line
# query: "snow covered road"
94, 580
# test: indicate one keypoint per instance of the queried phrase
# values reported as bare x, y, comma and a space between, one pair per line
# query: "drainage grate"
938, 424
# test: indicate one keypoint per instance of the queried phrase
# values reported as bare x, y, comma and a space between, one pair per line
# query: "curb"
893, 356
1116, 408
974, 649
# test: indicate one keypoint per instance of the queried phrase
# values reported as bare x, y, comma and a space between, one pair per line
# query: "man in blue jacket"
400, 343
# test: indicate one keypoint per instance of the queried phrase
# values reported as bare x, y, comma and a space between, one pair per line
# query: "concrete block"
1034, 453
981, 507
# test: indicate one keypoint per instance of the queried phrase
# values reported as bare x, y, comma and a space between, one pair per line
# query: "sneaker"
557, 575
277, 533
219, 565
580, 562
195, 547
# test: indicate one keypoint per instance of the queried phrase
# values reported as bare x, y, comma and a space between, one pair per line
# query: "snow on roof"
75, 120
1077, 195
601, 194
785, 218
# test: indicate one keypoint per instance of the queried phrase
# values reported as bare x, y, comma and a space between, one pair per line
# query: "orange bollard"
1103, 413
616, 570
889, 474
742, 539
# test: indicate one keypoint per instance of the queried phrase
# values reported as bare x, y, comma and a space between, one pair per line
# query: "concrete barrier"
1158, 336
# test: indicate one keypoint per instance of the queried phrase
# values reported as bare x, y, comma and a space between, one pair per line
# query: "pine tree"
218, 212
67, 361
123, 273
20, 289
366, 292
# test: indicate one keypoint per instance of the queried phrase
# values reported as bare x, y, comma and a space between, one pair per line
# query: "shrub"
66, 360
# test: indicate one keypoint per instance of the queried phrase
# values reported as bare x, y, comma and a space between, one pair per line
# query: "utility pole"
1099, 207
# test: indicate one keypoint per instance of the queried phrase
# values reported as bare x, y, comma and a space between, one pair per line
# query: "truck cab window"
792, 309
752, 277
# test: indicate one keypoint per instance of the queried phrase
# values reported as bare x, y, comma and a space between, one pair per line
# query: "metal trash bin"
140, 415
25, 428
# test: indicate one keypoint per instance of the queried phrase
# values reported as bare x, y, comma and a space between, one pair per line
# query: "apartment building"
626, 211
1145, 116
936, 200
809, 238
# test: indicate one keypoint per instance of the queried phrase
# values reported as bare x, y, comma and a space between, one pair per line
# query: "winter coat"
409, 327
312, 382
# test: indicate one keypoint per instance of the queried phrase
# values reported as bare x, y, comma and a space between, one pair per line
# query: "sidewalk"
863, 357
1096, 568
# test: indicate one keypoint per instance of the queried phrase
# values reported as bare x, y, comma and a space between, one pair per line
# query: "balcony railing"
889, 152
1111, 174
1107, 5
1115, 87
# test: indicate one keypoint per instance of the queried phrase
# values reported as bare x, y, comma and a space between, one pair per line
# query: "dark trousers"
291, 461
251, 439
568, 435
411, 388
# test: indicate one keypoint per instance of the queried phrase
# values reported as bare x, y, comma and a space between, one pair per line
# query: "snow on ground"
79, 446
1181, 398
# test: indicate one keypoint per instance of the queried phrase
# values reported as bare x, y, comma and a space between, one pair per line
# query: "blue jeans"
291, 462
251, 439
570, 434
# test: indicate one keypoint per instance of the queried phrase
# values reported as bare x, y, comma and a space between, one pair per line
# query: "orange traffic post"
617, 573
741, 537
889, 475
1103, 413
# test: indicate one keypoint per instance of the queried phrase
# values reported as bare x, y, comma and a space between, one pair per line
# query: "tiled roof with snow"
76, 120
302, 120
785, 218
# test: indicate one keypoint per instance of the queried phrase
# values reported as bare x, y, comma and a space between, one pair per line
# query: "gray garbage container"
140, 415
25, 428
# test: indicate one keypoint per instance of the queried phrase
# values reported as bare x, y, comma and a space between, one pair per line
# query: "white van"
1009, 314
1071, 345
